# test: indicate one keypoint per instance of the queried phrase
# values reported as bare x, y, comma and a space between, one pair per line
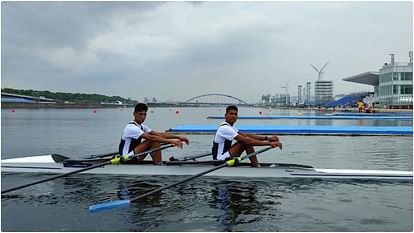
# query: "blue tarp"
374, 114
299, 129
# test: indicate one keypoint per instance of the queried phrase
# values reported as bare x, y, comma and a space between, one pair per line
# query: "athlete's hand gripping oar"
119, 203
111, 161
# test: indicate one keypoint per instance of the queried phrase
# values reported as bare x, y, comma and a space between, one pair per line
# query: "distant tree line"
78, 98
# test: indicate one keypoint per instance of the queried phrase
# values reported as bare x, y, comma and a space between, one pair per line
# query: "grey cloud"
175, 50
61, 24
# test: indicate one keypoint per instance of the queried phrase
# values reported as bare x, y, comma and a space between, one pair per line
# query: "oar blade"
108, 205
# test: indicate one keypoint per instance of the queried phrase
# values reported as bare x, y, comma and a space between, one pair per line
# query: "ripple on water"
215, 204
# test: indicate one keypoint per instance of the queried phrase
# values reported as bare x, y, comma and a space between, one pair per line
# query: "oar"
119, 203
88, 158
106, 155
111, 161
186, 158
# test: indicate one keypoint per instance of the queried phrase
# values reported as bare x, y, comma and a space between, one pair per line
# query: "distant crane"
320, 72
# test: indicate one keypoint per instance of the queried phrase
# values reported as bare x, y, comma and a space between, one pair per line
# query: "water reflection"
237, 203
205, 204
141, 214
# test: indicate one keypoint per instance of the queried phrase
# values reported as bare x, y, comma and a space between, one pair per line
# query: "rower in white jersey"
222, 143
137, 137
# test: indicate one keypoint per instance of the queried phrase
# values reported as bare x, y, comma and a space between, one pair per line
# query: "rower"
226, 132
138, 137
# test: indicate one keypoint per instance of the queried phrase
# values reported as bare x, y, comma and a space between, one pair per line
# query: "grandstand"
348, 101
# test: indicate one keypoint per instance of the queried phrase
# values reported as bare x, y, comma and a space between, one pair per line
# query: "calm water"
205, 204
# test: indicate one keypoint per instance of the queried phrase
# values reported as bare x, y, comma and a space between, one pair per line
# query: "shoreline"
53, 105
91, 106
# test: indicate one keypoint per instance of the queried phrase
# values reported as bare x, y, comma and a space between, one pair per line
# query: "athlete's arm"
261, 137
255, 142
155, 138
170, 136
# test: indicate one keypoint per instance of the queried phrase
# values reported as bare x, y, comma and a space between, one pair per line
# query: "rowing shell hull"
45, 164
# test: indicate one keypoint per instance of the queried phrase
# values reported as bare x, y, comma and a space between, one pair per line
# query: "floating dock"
301, 130
322, 117
373, 114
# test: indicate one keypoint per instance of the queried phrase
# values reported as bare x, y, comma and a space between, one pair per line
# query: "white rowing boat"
55, 164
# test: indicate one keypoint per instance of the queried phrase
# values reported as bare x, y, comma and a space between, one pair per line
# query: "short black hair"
231, 107
140, 107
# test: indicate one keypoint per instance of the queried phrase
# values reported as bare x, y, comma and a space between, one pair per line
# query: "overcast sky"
178, 50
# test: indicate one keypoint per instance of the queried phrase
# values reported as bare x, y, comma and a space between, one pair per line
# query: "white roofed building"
393, 84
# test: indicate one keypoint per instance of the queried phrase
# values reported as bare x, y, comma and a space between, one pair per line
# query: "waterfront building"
323, 92
266, 99
9, 98
303, 95
393, 84
307, 95
396, 84
280, 99
323, 88
299, 101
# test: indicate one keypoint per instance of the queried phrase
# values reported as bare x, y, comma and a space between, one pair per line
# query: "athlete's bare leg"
237, 149
156, 155
146, 145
